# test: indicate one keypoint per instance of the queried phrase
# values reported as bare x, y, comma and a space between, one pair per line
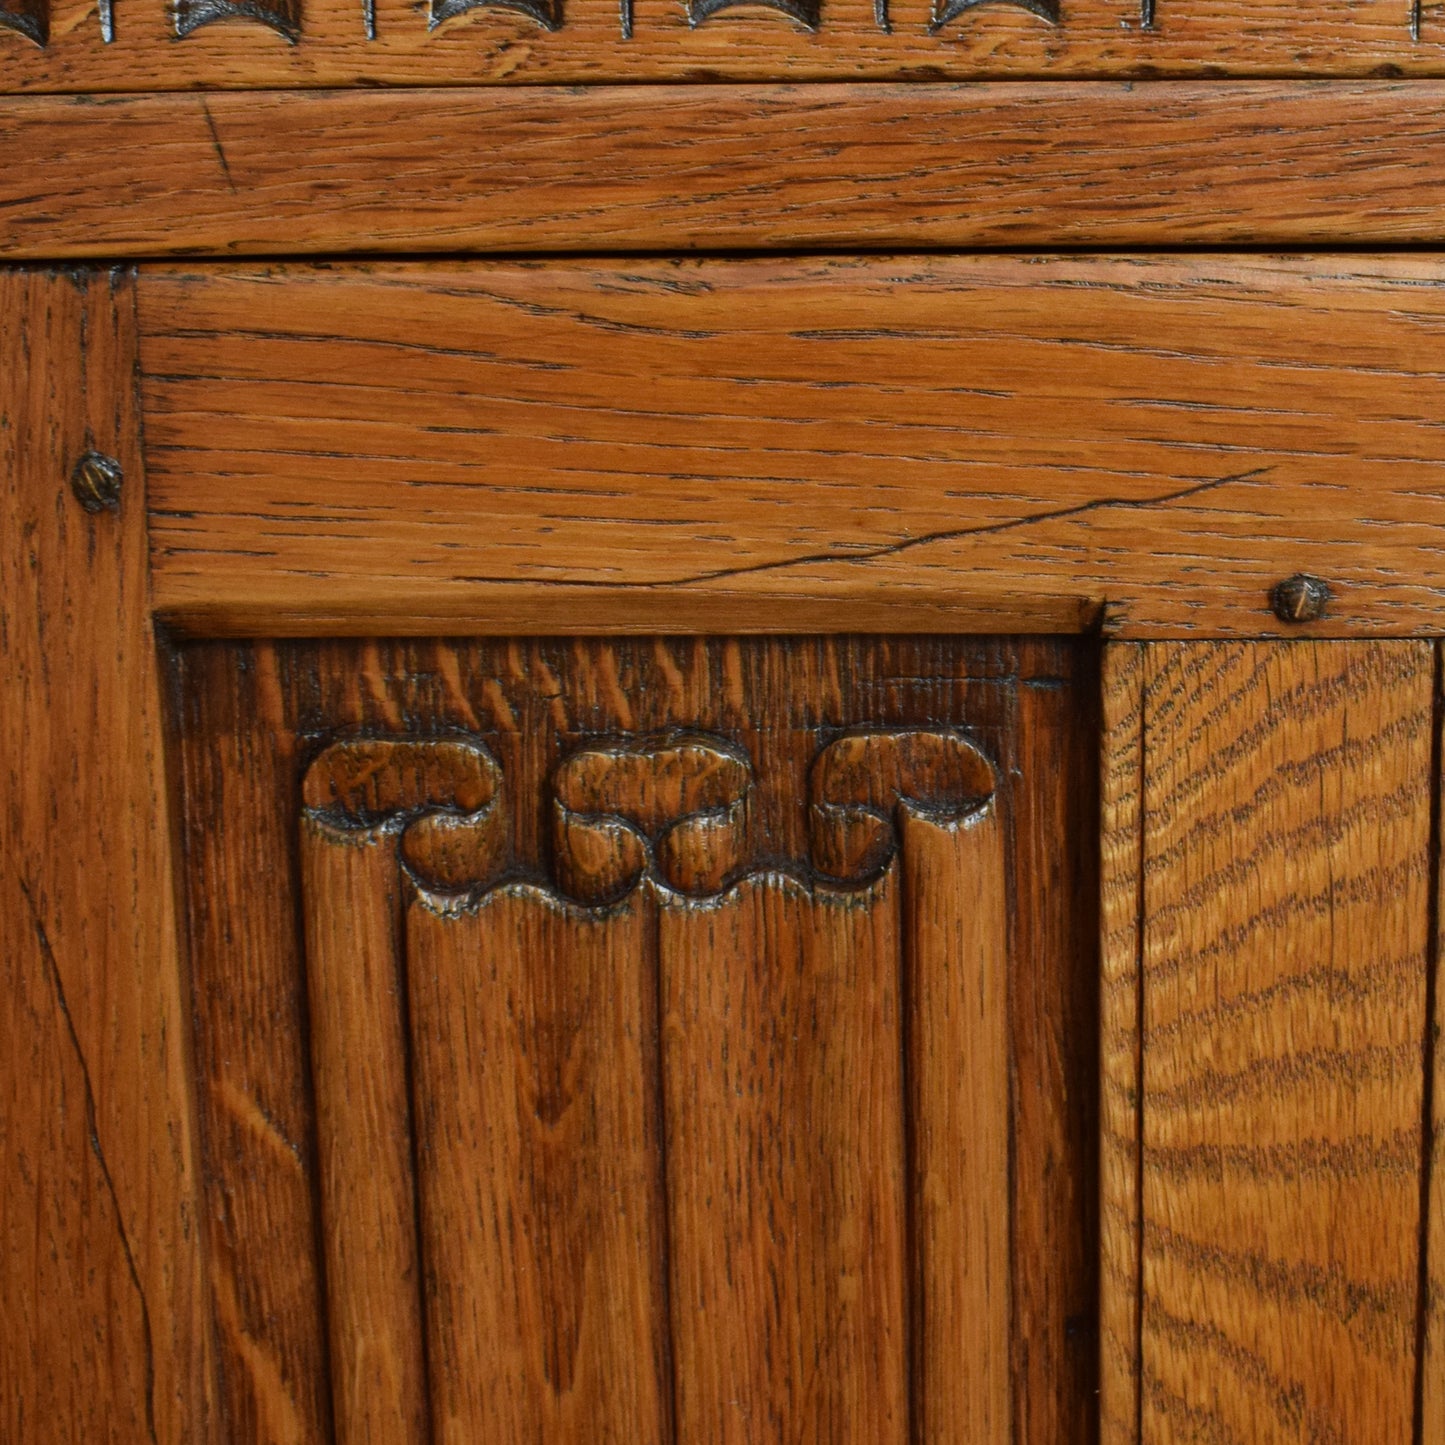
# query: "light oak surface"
708, 167
693, 446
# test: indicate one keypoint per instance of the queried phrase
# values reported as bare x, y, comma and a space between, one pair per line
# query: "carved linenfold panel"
860, 781
30, 17
443, 796
663, 1016
675, 805
282, 16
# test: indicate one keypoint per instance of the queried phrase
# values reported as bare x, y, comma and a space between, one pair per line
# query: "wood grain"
787, 1187
1121, 839
534, 1049
355, 963
692, 445
1287, 802
1431, 1365
238, 765
955, 924
538, 704
105, 1335
699, 167
231, 44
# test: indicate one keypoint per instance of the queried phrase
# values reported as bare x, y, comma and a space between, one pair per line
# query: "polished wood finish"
585, 731
534, 1059
703, 167
351, 895
1431, 1378
104, 1335
220, 44
1121, 840
252, 1069
693, 446
786, 1165
1287, 832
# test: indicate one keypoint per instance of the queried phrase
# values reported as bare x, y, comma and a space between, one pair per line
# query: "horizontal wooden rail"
877, 166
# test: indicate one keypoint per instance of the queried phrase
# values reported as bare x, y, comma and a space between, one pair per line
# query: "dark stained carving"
947, 10
547, 13
442, 795
808, 13
30, 17
860, 781
282, 16
675, 806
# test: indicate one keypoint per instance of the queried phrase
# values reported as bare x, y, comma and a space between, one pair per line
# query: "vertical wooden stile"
534, 1059
1287, 802
351, 887
1431, 1365
105, 1336
1121, 840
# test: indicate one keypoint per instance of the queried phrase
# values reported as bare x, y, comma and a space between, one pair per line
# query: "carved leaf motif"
442, 794
676, 804
860, 781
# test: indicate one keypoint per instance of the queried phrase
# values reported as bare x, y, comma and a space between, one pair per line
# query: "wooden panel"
238, 765
787, 1189
351, 887
534, 1029
248, 43
541, 706
696, 445
955, 921
1120, 1040
105, 1336
707, 167
1287, 834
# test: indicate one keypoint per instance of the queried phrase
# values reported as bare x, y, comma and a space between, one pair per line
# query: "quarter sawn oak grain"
782, 444
1287, 804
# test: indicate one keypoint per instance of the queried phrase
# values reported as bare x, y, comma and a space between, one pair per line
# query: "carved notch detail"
443, 795
547, 13
282, 16
808, 13
860, 781
676, 805
30, 17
